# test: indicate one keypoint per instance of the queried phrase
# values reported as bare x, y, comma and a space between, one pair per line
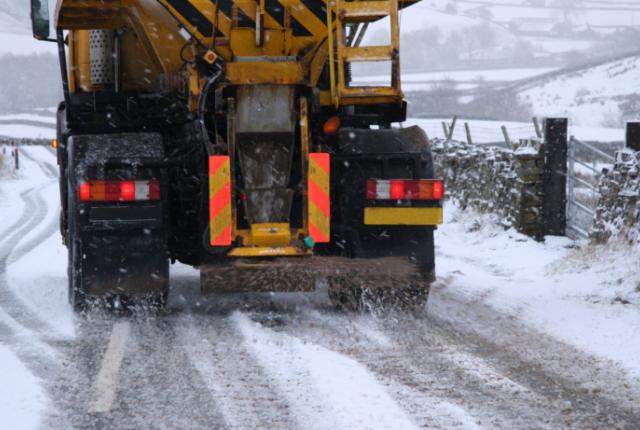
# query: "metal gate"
585, 163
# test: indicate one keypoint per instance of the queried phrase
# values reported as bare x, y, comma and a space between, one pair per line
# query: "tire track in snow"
448, 355
158, 385
20, 329
33, 213
429, 363
49, 169
325, 389
583, 391
244, 392
512, 378
12, 248
360, 338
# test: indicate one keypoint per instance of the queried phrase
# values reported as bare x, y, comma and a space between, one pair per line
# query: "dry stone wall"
508, 182
19, 141
618, 210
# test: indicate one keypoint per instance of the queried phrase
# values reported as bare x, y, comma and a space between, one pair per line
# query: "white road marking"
107, 380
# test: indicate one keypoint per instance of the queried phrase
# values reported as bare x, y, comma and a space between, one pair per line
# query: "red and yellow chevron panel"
319, 206
220, 214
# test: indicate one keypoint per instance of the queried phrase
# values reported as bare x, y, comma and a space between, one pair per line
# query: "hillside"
603, 95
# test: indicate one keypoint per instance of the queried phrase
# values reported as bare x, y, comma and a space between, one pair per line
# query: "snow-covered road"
480, 356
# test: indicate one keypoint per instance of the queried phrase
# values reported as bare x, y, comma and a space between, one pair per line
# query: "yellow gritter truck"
229, 135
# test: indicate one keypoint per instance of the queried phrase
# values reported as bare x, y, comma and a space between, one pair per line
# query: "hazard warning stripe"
319, 9
220, 215
319, 201
319, 198
193, 17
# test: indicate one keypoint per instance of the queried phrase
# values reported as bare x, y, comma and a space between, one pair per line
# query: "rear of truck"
228, 135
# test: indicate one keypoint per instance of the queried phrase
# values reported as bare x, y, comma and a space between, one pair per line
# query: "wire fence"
585, 161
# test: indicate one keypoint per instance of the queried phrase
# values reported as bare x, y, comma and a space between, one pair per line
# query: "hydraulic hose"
202, 101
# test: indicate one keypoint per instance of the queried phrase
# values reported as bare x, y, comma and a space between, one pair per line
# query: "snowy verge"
588, 296
22, 400
37, 264
42, 287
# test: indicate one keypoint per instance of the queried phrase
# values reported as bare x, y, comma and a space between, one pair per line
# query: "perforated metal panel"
101, 56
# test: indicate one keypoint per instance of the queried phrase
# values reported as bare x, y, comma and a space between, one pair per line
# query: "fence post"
445, 130
632, 135
555, 177
505, 133
452, 127
468, 130
17, 158
536, 125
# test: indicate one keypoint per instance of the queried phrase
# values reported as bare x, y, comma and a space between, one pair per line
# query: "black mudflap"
131, 267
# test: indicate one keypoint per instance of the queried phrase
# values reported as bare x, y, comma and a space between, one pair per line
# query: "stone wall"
508, 182
13, 141
618, 210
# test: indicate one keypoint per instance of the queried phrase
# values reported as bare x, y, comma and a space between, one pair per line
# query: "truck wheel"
77, 296
408, 293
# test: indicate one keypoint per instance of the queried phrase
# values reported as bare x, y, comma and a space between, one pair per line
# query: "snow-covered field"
517, 334
34, 125
464, 79
590, 96
490, 131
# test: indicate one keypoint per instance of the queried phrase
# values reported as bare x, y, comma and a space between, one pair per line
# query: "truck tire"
410, 294
364, 154
77, 295
117, 249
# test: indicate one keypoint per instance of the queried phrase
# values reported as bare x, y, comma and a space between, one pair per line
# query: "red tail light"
85, 192
119, 191
438, 190
404, 189
128, 191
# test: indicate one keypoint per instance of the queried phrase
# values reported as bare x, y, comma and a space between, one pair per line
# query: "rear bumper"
402, 216
299, 274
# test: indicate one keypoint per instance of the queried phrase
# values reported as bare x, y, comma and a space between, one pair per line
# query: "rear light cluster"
119, 191
404, 189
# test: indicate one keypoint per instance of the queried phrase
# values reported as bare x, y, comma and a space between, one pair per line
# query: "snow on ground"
28, 131
584, 295
29, 125
43, 117
558, 46
39, 293
588, 296
483, 131
491, 75
589, 96
37, 286
327, 390
22, 400
465, 79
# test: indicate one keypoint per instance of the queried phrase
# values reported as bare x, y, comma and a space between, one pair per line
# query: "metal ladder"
351, 21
